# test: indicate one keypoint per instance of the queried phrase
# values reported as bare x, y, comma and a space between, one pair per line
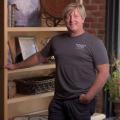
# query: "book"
10, 60
12, 8
9, 15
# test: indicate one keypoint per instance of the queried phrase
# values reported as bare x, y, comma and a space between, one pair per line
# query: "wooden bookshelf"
11, 107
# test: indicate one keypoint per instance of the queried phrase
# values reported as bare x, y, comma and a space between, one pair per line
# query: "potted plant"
113, 86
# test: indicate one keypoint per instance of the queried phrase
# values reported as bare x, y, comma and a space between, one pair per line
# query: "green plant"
113, 84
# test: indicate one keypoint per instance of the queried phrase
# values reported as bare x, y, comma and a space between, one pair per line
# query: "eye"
67, 17
76, 16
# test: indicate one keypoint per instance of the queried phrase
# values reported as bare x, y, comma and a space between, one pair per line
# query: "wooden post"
3, 60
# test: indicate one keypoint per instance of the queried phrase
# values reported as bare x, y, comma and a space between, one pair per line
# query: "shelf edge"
35, 29
29, 97
34, 68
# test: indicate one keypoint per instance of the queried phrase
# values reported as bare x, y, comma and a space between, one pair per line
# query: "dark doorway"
112, 41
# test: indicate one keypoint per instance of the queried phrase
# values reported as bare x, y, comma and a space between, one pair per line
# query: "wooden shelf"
34, 68
21, 98
35, 29
14, 106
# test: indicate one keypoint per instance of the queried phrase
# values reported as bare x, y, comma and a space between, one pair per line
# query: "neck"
74, 34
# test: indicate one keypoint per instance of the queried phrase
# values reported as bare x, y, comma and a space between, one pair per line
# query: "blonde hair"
73, 6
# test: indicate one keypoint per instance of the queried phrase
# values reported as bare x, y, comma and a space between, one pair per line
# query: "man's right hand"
10, 66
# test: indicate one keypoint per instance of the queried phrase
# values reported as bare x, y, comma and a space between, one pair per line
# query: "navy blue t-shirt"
76, 60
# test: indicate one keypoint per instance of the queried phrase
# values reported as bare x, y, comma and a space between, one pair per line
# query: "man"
82, 67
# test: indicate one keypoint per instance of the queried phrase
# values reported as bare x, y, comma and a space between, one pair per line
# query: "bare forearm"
33, 60
101, 78
98, 84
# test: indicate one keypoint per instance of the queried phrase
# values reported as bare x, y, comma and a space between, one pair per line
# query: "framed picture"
24, 13
25, 47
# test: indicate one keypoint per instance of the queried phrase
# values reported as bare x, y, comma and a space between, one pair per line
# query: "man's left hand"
84, 99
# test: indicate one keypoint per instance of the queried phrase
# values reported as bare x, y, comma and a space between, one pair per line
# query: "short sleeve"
47, 51
99, 52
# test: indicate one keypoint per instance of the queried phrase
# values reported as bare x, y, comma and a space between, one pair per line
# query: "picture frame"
25, 47
24, 15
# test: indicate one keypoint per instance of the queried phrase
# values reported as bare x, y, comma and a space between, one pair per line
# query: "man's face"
74, 21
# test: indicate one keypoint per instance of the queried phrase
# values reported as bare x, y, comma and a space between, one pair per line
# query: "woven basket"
35, 85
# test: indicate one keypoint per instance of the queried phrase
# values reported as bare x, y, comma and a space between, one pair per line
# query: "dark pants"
70, 109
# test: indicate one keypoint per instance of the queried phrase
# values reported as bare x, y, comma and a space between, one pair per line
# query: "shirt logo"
79, 46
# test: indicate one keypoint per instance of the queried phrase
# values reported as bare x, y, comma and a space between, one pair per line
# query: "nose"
71, 18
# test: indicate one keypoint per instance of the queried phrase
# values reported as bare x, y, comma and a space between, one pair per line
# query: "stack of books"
11, 15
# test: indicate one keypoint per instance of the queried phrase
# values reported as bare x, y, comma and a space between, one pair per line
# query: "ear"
83, 20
